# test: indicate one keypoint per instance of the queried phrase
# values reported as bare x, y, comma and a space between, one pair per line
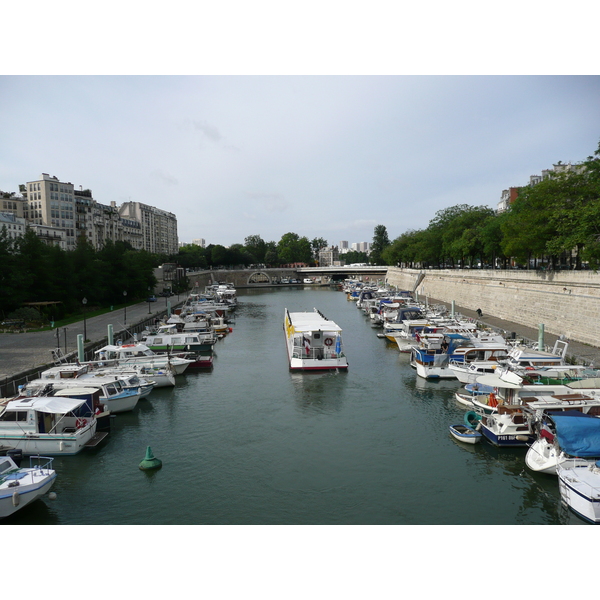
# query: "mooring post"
452, 314
541, 336
110, 335
80, 352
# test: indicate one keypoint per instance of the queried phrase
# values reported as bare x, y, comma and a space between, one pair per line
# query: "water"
252, 443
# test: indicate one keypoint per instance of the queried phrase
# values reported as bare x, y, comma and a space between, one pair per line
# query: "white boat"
140, 354
523, 356
195, 336
570, 439
514, 425
48, 425
435, 352
580, 490
465, 434
20, 486
313, 342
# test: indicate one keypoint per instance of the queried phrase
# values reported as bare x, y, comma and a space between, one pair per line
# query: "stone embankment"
566, 303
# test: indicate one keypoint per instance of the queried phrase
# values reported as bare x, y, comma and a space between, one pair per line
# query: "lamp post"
149, 311
125, 298
84, 302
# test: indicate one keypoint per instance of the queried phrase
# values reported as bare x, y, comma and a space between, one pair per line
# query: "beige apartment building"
51, 203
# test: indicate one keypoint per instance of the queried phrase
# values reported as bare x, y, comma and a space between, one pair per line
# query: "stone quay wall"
565, 302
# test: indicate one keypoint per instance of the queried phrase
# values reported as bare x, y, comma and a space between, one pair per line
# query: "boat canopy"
130, 347
498, 382
578, 433
47, 404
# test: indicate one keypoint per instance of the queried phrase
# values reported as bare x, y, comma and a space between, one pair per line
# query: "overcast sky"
320, 155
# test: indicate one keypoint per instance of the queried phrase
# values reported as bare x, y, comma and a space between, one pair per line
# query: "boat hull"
10, 504
464, 434
580, 491
50, 444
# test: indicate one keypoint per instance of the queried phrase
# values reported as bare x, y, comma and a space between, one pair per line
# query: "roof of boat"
312, 321
130, 347
578, 434
47, 404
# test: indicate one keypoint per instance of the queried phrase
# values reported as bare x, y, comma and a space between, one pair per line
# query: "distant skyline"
320, 156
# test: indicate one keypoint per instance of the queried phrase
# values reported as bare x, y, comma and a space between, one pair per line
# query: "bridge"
264, 277
345, 272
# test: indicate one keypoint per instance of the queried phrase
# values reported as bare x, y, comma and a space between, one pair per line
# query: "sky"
321, 156
268, 122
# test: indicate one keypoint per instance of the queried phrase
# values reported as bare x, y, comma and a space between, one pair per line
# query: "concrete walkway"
21, 352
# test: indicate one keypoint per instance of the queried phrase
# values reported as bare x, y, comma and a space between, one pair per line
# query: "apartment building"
57, 205
158, 227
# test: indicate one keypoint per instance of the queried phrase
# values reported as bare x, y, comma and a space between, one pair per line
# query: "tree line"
553, 224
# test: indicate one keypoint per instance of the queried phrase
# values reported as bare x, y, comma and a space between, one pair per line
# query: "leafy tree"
317, 244
380, 242
256, 247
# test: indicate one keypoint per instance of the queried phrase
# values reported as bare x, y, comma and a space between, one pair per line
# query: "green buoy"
150, 462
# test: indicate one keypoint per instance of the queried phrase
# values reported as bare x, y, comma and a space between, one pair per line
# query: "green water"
251, 443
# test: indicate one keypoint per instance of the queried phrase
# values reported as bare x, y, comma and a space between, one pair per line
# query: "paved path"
20, 352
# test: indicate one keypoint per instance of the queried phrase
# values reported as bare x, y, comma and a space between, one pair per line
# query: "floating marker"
150, 462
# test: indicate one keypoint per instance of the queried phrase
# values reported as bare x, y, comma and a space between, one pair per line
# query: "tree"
256, 247
317, 245
380, 242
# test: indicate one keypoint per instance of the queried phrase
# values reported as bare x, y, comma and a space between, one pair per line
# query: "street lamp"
125, 298
149, 311
84, 302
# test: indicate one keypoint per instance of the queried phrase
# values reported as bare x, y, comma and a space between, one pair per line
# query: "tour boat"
314, 343
47, 425
19, 486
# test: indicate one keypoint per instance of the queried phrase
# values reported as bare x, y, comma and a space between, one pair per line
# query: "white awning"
47, 404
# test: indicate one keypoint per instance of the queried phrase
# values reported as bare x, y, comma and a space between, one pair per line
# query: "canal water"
251, 443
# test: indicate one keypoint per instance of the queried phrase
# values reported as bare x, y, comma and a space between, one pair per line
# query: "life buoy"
80, 423
328, 341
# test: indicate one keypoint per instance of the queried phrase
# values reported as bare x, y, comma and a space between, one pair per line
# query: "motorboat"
477, 396
140, 354
465, 434
523, 356
435, 352
570, 438
580, 490
314, 343
20, 486
168, 338
48, 425
514, 425
119, 392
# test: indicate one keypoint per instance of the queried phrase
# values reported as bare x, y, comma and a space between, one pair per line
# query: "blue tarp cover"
578, 434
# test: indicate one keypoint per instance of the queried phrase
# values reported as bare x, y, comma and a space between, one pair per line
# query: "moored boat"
314, 343
465, 434
580, 490
19, 486
48, 425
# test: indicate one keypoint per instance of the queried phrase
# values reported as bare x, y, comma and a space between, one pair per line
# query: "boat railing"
44, 463
316, 353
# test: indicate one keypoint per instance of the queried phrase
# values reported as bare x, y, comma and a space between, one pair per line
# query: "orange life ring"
328, 341
80, 423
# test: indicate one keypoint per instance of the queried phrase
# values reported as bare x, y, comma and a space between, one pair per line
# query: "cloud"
164, 177
272, 203
210, 131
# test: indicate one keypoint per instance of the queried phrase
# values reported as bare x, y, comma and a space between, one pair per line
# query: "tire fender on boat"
471, 417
